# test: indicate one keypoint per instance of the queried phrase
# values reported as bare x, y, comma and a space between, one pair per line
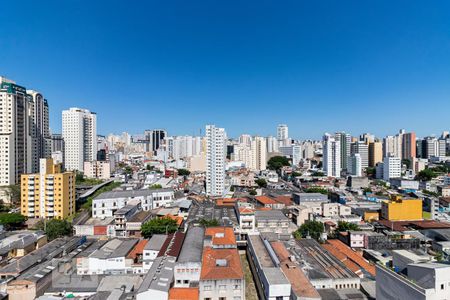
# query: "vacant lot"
250, 289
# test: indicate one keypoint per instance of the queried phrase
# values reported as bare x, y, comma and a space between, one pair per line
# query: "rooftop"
156, 242
265, 200
192, 246
131, 194
138, 249
183, 293
220, 264
270, 215
160, 275
115, 248
301, 286
221, 235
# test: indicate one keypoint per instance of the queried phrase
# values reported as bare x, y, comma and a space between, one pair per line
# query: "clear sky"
359, 66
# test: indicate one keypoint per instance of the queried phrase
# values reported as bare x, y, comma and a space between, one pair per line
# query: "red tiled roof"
138, 249
300, 283
221, 235
356, 258
211, 268
403, 225
286, 200
246, 210
175, 249
265, 200
183, 293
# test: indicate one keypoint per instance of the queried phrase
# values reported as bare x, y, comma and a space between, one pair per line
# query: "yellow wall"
402, 210
63, 192
370, 216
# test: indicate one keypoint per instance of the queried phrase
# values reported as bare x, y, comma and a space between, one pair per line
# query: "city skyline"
273, 64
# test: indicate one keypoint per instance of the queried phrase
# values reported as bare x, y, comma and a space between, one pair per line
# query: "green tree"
155, 186
406, 162
312, 228
315, 189
370, 171
252, 192
150, 168
345, 226
55, 228
128, 170
184, 172
11, 221
277, 162
296, 174
426, 175
209, 223
318, 174
261, 182
158, 226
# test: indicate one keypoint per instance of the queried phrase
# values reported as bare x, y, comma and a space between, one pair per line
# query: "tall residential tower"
215, 160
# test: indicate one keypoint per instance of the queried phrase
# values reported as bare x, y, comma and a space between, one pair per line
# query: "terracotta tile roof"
301, 285
265, 200
352, 255
138, 249
226, 201
246, 210
178, 219
212, 268
286, 200
221, 235
183, 293
264, 208
175, 249
343, 258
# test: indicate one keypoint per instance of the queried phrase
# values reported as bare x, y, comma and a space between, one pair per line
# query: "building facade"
48, 194
215, 160
79, 131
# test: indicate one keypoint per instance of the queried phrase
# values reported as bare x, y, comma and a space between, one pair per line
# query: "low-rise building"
152, 249
271, 281
109, 259
398, 209
222, 276
272, 221
302, 198
107, 203
189, 263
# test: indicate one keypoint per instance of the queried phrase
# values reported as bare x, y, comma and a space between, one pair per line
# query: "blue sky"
359, 66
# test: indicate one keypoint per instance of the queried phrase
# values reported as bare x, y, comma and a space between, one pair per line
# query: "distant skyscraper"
215, 160
331, 156
375, 153
79, 131
272, 144
354, 165
282, 132
40, 130
154, 139
345, 142
409, 145
363, 149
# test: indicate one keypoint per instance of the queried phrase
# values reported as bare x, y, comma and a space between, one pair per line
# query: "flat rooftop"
131, 194
193, 245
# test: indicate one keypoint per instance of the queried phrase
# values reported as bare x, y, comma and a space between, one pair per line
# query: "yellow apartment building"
398, 209
49, 193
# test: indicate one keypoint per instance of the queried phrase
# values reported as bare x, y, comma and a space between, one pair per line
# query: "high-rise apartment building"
282, 132
15, 138
39, 129
215, 160
272, 144
49, 193
345, 142
331, 156
375, 153
24, 131
409, 146
259, 153
79, 131
392, 167
363, 149
355, 165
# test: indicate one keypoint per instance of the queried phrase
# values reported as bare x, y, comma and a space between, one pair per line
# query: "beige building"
375, 153
49, 193
97, 169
